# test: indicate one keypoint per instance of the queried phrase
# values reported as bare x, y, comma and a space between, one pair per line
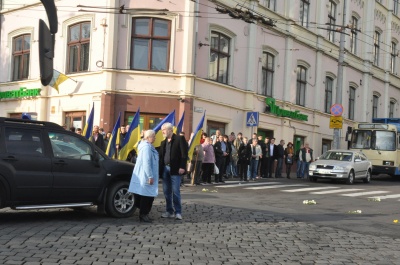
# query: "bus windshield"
376, 140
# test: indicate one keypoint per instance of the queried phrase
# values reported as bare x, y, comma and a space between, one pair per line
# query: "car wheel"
2, 196
350, 178
313, 179
367, 178
119, 201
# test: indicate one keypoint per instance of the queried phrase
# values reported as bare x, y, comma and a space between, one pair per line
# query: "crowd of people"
225, 156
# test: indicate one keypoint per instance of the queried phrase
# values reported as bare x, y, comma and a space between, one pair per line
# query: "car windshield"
336, 155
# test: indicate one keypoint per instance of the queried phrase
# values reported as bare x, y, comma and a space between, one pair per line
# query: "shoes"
167, 215
221, 181
178, 216
145, 218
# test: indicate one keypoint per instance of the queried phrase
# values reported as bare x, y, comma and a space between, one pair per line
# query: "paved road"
246, 231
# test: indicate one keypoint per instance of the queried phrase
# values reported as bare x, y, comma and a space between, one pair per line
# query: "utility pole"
336, 132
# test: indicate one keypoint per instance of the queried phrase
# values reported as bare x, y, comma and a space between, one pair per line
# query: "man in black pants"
271, 158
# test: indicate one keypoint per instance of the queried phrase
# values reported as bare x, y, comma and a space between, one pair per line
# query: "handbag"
289, 160
216, 170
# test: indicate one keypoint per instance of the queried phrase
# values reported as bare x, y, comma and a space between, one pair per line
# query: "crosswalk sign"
252, 119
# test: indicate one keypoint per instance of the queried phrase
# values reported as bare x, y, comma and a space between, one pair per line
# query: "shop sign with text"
274, 109
21, 93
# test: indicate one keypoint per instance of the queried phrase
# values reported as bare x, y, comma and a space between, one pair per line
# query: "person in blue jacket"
144, 181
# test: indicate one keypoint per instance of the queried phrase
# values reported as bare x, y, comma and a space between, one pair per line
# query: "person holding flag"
132, 137
87, 130
112, 143
173, 157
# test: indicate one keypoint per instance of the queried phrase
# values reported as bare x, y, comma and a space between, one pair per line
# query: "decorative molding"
380, 16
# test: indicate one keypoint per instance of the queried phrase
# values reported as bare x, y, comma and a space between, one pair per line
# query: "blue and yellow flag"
87, 131
112, 142
196, 137
179, 127
159, 137
131, 138
57, 79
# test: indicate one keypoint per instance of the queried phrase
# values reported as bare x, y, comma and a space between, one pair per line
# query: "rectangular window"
151, 40
377, 40
328, 94
391, 109
78, 47
375, 101
21, 56
267, 73
353, 35
301, 85
270, 4
332, 21
304, 12
219, 57
396, 7
393, 56
352, 98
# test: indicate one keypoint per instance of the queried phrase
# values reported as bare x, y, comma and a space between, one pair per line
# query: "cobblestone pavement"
208, 234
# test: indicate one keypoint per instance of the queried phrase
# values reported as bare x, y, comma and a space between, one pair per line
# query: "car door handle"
60, 162
10, 158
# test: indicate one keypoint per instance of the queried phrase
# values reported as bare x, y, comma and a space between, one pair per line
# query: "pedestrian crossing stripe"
383, 197
275, 187
334, 191
364, 193
248, 184
310, 189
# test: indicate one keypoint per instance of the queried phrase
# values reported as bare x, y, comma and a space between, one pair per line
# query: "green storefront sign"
274, 109
21, 93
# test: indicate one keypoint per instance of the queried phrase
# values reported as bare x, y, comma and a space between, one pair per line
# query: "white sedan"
345, 165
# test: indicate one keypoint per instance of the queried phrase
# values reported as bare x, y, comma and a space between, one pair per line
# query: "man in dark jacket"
173, 159
280, 152
271, 157
221, 152
97, 138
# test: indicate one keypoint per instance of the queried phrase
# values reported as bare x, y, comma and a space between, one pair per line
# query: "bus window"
361, 139
385, 140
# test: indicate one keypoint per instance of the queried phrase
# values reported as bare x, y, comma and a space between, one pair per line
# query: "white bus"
379, 141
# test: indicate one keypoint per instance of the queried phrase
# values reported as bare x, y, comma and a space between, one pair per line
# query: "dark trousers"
278, 171
271, 164
242, 165
208, 169
288, 169
221, 165
263, 166
195, 169
144, 203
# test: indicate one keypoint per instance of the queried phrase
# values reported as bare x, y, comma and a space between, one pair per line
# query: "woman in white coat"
144, 181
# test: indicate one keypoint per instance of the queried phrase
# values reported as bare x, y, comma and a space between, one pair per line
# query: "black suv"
44, 166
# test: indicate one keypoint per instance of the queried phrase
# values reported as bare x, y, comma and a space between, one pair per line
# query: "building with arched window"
224, 58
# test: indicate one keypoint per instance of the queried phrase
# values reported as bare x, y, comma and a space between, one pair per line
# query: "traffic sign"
336, 122
252, 119
337, 110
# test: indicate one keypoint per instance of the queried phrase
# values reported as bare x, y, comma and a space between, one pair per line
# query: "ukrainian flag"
57, 79
196, 137
178, 128
87, 131
159, 137
112, 142
131, 138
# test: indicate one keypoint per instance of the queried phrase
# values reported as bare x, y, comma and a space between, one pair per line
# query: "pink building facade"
217, 57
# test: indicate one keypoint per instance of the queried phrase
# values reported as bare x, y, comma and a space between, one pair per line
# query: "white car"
345, 165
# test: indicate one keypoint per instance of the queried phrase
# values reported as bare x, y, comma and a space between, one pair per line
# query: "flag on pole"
179, 127
196, 137
87, 131
57, 79
159, 137
112, 142
131, 138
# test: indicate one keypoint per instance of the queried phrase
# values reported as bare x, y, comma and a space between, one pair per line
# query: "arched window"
392, 108
304, 12
301, 85
377, 41
331, 20
328, 93
21, 56
393, 55
151, 40
220, 55
375, 103
353, 35
78, 47
352, 100
268, 64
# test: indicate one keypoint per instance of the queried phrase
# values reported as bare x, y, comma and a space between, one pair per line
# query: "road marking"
309, 189
364, 193
334, 191
249, 184
275, 187
386, 196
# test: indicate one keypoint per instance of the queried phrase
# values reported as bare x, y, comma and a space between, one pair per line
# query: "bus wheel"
367, 178
350, 178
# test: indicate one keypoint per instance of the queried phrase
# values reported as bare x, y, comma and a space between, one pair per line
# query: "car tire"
350, 178
119, 201
2, 196
313, 179
367, 178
